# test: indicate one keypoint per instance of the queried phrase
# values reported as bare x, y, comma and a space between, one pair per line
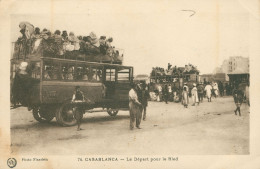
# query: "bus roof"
108, 65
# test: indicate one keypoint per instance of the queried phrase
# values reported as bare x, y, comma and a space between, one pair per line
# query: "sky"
152, 33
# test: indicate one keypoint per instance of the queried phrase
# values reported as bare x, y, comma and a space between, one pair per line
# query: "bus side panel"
121, 94
58, 92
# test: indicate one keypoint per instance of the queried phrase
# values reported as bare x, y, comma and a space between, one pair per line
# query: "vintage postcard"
120, 84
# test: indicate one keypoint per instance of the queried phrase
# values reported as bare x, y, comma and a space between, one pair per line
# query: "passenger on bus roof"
82, 44
90, 48
48, 46
108, 42
64, 35
74, 42
110, 49
44, 31
37, 38
37, 33
58, 42
103, 47
102, 40
27, 29
94, 39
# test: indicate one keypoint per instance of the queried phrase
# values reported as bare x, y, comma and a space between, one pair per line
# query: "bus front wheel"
65, 115
42, 114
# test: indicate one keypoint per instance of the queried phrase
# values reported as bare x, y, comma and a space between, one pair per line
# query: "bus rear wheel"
112, 112
65, 115
42, 114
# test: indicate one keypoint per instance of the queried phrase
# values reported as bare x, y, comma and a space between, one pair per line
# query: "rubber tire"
60, 119
112, 112
37, 111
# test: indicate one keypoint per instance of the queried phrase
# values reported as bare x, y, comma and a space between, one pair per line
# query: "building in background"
238, 64
234, 64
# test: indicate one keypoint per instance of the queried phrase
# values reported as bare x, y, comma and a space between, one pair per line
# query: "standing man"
208, 89
238, 98
166, 94
78, 97
20, 87
159, 93
215, 89
194, 95
134, 107
186, 85
174, 93
200, 91
170, 93
185, 97
221, 88
145, 97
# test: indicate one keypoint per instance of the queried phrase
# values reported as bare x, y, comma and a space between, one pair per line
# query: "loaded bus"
48, 85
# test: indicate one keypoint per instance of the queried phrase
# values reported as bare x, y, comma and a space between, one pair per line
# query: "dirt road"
207, 129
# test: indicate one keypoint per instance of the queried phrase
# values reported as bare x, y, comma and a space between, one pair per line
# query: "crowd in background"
172, 93
138, 96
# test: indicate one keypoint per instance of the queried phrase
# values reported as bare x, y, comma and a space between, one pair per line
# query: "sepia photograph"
129, 81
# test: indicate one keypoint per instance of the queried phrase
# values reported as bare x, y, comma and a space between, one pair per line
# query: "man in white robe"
194, 95
208, 89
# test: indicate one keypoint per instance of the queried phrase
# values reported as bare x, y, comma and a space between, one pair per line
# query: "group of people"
33, 40
165, 93
198, 92
138, 102
157, 71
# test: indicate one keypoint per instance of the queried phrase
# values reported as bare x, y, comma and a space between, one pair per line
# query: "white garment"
37, 43
194, 95
69, 47
76, 46
208, 89
188, 90
133, 95
159, 88
169, 89
215, 87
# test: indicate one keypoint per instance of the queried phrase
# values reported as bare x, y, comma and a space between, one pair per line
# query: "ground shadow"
53, 123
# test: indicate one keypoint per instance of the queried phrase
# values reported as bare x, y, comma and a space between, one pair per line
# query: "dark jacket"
238, 96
